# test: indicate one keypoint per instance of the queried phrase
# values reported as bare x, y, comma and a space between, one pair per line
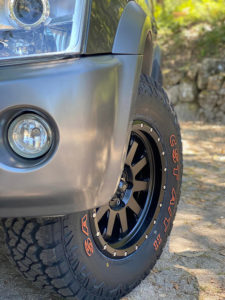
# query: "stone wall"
198, 92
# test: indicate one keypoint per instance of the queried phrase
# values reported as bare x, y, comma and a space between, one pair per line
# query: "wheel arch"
148, 55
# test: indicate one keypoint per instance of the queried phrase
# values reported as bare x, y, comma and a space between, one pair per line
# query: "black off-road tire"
61, 254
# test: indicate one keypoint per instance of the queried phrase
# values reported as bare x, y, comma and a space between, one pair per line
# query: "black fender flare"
133, 30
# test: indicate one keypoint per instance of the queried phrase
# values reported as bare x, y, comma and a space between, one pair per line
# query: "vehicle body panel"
119, 27
91, 99
104, 20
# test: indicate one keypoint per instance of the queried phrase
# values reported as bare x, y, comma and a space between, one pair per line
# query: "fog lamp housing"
30, 136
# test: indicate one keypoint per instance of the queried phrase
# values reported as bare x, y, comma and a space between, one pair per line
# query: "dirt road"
193, 263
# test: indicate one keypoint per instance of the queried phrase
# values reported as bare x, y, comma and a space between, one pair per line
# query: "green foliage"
211, 42
176, 16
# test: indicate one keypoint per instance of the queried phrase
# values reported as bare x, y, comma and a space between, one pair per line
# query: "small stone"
187, 91
203, 75
172, 77
215, 110
176, 286
215, 82
187, 111
220, 101
209, 67
222, 90
193, 71
163, 295
220, 116
208, 99
202, 81
173, 94
222, 107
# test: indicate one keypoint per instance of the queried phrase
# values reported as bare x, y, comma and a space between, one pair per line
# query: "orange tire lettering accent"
166, 223
173, 140
176, 173
174, 197
88, 247
175, 156
159, 239
170, 211
84, 226
156, 245
157, 242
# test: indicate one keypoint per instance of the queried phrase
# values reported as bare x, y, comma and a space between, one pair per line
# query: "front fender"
132, 31
91, 101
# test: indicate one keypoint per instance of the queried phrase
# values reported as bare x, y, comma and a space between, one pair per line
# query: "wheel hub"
124, 191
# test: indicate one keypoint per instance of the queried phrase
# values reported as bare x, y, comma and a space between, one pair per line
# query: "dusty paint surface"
192, 265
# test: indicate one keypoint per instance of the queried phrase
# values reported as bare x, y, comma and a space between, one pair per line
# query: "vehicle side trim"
132, 31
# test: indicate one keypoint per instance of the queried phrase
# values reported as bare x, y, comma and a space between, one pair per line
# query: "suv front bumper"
91, 101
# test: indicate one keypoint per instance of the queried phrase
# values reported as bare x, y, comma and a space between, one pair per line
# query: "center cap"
123, 185
123, 193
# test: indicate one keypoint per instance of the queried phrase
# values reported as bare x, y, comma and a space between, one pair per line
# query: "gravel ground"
192, 265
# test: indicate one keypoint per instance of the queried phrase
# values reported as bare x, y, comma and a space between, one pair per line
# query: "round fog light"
30, 136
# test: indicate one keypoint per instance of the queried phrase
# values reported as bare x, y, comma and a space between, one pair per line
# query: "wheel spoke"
140, 186
131, 153
134, 206
139, 166
111, 223
123, 220
100, 213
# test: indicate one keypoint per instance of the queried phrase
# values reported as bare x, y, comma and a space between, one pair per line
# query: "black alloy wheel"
122, 226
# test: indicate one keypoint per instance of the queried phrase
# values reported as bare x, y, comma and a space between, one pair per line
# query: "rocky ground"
193, 263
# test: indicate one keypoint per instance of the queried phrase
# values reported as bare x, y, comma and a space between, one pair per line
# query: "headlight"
39, 27
28, 13
30, 136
